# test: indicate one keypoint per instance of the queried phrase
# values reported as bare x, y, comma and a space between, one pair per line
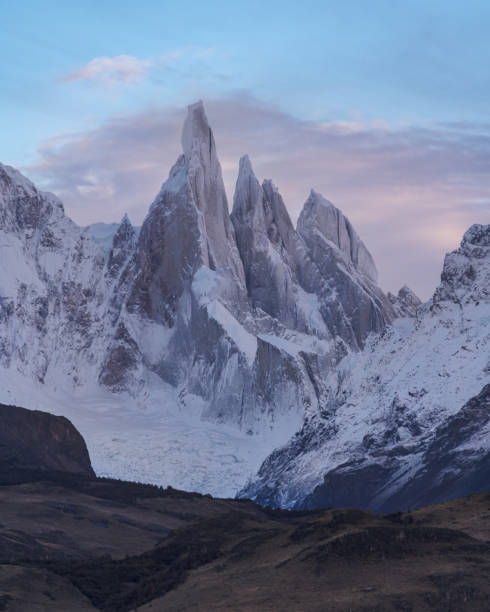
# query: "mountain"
213, 330
407, 421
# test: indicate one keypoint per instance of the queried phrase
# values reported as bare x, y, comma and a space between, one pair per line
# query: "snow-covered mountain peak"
477, 235
465, 276
11, 178
22, 206
123, 246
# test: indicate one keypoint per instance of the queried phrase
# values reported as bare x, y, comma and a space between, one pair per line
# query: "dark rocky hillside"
449, 468
33, 443
116, 546
72, 542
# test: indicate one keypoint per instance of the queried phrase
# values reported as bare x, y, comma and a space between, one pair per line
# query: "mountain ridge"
232, 331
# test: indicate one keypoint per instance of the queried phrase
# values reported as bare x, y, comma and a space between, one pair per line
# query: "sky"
382, 106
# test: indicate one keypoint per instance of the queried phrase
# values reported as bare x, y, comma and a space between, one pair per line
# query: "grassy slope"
121, 546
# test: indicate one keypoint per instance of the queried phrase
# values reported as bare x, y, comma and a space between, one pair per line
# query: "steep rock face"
122, 248
208, 193
335, 264
319, 216
405, 303
267, 243
222, 299
390, 407
465, 278
319, 279
34, 441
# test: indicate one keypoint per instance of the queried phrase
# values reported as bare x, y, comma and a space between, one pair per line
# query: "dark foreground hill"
109, 545
73, 542
34, 443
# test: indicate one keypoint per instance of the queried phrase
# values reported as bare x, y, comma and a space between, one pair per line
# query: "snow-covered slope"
52, 323
391, 406
198, 317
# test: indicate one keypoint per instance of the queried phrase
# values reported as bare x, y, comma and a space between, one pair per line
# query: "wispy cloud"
121, 69
128, 70
411, 192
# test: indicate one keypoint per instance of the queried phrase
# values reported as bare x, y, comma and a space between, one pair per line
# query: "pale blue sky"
401, 61
402, 74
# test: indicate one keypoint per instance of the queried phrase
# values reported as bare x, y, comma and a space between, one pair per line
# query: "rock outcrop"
33, 443
405, 303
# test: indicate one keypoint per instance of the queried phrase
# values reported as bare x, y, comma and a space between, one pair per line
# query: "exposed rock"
322, 217
123, 246
464, 279
405, 304
32, 442
267, 245
451, 465
335, 264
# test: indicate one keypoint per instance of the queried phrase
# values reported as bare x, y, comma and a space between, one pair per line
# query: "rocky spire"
123, 245
208, 191
279, 228
188, 227
336, 266
320, 215
264, 234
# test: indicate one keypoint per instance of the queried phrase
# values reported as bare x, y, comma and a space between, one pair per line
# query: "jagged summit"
197, 136
466, 273
11, 176
478, 235
248, 194
405, 303
320, 215
123, 246
260, 219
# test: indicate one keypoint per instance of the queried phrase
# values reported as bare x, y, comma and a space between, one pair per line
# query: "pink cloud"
121, 69
411, 192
